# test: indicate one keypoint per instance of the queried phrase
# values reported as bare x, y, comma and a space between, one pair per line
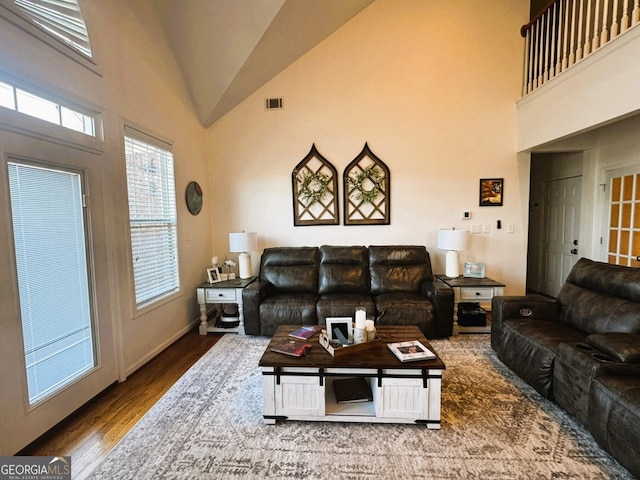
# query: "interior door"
561, 225
623, 231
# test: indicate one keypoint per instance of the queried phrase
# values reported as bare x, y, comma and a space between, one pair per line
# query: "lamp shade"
243, 242
453, 239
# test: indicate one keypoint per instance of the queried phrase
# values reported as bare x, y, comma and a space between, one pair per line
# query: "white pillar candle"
361, 317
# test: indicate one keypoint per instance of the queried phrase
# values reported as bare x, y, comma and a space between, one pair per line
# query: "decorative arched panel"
367, 184
315, 191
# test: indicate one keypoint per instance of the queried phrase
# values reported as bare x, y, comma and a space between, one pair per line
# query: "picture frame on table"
343, 324
491, 192
213, 274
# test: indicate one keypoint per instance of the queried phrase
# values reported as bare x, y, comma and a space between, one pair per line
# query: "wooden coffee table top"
377, 357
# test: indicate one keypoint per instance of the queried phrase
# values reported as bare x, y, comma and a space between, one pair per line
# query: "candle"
361, 317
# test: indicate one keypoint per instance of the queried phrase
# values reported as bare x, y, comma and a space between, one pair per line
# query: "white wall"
431, 86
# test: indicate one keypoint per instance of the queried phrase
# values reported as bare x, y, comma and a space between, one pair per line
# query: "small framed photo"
213, 275
491, 192
343, 324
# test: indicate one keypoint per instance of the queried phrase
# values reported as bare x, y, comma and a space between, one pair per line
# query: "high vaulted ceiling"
227, 49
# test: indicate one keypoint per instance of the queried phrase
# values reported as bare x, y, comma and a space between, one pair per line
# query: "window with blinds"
60, 18
51, 259
152, 216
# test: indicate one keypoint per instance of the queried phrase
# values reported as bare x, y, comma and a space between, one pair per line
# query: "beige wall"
431, 86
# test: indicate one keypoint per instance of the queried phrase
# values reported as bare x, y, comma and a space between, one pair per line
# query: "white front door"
561, 225
56, 334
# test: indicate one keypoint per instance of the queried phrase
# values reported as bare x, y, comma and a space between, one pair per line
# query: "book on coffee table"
306, 332
352, 390
292, 347
411, 351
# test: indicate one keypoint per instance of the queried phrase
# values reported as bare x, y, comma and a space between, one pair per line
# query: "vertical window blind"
60, 18
51, 260
152, 216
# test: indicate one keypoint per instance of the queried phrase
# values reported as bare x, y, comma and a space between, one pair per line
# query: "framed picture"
491, 192
343, 324
214, 275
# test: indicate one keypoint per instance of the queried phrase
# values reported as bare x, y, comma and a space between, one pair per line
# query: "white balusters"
569, 31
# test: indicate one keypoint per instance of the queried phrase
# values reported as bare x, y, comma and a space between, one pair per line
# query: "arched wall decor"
367, 190
315, 191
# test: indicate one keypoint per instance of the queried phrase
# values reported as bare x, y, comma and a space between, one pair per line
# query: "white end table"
467, 289
229, 291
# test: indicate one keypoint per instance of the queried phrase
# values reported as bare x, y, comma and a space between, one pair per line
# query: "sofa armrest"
252, 296
623, 347
528, 307
441, 295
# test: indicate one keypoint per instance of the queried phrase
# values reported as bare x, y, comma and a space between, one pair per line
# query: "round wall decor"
193, 197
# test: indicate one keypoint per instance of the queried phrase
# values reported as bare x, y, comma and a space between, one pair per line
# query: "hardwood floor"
90, 433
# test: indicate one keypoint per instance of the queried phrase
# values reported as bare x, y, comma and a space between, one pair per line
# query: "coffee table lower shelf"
402, 395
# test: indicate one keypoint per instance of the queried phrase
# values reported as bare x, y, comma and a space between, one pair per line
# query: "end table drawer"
220, 295
476, 293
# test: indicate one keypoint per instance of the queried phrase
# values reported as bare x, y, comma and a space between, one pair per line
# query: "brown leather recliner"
305, 285
581, 350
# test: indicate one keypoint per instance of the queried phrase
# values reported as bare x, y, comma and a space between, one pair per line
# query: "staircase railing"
567, 31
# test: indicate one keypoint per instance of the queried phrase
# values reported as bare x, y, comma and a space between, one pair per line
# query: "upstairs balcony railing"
567, 31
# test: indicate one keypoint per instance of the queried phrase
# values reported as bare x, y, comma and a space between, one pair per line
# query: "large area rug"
209, 425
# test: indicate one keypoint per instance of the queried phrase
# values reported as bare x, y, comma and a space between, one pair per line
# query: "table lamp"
243, 243
452, 241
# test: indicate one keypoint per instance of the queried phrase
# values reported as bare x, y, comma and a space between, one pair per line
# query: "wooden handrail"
524, 28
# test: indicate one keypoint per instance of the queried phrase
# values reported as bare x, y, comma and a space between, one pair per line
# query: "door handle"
575, 242
574, 251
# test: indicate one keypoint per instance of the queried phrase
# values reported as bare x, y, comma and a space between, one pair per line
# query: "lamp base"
244, 265
452, 269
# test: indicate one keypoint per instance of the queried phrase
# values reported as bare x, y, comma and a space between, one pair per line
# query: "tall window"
53, 285
152, 216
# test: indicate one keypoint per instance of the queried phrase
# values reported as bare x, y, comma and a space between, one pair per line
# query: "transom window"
23, 101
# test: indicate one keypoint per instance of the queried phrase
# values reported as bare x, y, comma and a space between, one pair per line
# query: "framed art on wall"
491, 192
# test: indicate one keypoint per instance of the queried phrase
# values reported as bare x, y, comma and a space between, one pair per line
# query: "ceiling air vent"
273, 103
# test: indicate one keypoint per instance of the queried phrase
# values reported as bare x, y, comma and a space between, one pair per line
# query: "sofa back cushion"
290, 269
398, 268
599, 297
343, 270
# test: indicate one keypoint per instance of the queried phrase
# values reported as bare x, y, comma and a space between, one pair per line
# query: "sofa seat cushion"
287, 309
614, 418
529, 348
343, 305
404, 308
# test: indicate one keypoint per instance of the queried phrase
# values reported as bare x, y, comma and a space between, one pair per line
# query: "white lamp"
243, 243
452, 241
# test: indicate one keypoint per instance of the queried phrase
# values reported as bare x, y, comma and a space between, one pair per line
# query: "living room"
432, 87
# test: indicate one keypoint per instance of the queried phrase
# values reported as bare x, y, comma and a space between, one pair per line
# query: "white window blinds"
152, 216
60, 18
51, 261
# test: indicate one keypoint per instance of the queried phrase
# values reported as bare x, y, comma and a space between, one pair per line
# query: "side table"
229, 291
467, 289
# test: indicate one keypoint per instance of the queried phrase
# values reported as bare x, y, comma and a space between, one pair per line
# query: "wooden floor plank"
90, 433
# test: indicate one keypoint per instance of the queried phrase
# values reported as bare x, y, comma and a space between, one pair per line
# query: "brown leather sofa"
581, 350
305, 285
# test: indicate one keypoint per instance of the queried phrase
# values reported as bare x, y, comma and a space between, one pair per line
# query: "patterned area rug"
494, 426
